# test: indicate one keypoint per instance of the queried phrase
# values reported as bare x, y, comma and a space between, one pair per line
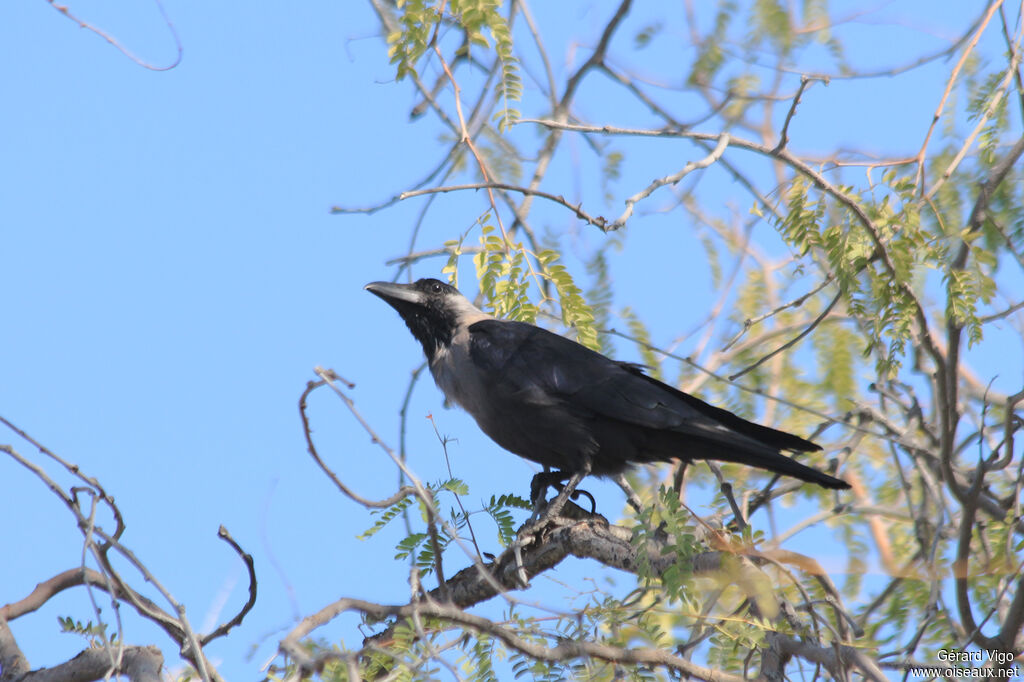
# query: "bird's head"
433, 311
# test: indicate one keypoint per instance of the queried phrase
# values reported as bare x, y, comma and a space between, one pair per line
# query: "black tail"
763, 452
780, 464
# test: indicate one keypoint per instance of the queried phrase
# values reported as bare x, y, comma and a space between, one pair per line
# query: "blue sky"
173, 274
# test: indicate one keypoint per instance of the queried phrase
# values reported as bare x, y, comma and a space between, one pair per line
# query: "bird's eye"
436, 287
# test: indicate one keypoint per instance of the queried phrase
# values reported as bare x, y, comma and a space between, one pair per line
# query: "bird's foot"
554, 479
540, 484
543, 511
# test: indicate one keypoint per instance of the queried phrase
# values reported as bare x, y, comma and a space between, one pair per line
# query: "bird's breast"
454, 373
519, 416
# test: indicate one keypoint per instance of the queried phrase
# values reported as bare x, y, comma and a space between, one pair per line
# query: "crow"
558, 403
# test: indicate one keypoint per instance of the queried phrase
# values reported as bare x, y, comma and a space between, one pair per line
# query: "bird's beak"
395, 293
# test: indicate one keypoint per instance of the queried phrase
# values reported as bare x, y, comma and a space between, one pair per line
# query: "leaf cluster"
421, 20
95, 634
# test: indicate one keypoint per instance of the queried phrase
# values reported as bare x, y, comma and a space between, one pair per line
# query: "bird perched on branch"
553, 401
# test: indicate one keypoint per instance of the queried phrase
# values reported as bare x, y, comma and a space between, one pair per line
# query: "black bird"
558, 403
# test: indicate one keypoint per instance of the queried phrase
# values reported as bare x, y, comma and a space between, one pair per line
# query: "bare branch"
13, 663
223, 629
792, 342
835, 659
795, 303
73, 469
963, 554
597, 221
784, 135
949, 88
561, 112
137, 663
63, 9
989, 112
311, 447
723, 142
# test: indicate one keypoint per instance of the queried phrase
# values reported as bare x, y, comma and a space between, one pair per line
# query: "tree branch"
138, 663
598, 221
716, 153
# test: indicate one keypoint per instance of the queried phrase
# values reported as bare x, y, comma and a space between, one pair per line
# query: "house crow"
558, 403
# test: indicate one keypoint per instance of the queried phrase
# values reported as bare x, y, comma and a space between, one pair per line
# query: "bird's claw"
593, 503
555, 479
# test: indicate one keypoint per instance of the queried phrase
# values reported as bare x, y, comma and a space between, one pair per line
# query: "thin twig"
121, 48
598, 221
224, 628
795, 303
402, 492
989, 112
784, 136
716, 153
949, 88
792, 342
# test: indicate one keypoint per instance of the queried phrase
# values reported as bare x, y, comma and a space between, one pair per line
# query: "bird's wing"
533, 360
540, 363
